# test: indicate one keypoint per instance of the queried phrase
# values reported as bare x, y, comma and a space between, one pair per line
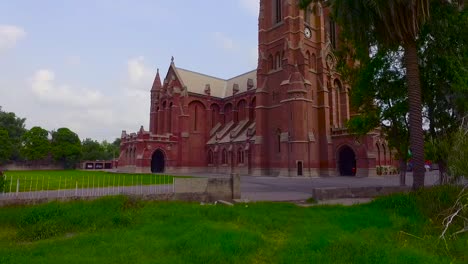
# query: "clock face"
307, 32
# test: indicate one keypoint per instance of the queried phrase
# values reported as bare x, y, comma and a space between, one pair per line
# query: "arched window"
169, 122
214, 114
271, 63
278, 61
307, 58
313, 62
339, 103
210, 157
332, 32
278, 11
241, 110
198, 115
378, 154
224, 157
156, 125
240, 156
195, 118
163, 118
384, 155
278, 138
228, 113
253, 104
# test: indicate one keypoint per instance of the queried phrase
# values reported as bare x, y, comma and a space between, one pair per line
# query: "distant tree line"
38, 145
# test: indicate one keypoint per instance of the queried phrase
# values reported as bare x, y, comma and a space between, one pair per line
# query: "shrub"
3, 182
458, 157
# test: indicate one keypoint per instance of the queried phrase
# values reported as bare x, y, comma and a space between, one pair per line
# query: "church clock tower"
295, 73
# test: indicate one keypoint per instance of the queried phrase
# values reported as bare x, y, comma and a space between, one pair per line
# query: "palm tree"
391, 23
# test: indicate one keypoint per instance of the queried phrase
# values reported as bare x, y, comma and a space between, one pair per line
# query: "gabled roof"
196, 82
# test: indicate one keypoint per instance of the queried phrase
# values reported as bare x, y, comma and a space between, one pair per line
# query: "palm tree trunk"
415, 113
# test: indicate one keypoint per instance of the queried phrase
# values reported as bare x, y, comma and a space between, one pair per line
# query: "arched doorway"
158, 162
347, 161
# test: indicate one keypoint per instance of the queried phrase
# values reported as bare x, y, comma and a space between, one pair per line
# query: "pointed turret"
297, 82
157, 82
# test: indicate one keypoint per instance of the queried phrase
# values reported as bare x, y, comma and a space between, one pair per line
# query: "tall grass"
395, 229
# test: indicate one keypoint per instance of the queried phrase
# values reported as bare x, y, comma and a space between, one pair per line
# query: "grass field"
396, 229
71, 179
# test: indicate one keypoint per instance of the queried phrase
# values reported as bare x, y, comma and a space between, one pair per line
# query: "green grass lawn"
70, 179
396, 229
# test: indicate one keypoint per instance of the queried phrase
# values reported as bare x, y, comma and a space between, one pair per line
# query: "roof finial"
157, 71
172, 59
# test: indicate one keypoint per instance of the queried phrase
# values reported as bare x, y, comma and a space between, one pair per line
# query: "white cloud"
252, 6
224, 41
137, 70
88, 112
140, 76
47, 90
9, 36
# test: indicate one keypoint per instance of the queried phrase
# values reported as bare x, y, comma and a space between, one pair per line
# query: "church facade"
286, 118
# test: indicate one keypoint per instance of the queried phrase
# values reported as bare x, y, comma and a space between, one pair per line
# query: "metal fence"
41, 186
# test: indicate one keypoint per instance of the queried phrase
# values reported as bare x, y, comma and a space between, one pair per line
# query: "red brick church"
286, 118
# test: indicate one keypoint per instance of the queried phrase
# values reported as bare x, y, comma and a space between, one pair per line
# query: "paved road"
300, 188
290, 189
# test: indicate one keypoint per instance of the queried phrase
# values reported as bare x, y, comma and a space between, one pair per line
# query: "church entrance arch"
346, 161
158, 162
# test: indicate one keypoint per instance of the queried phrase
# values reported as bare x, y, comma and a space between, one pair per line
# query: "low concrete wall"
16, 167
330, 193
213, 188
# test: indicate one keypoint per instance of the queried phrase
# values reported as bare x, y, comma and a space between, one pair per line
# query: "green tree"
379, 95
36, 144
66, 147
92, 150
390, 23
112, 149
15, 127
443, 63
6, 147
458, 156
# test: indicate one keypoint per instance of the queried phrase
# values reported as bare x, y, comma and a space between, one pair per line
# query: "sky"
89, 65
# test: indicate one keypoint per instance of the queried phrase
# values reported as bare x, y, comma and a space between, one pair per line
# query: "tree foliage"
458, 156
435, 60
93, 150
6, 146
379, 95
15, 127
66, 147
36, 144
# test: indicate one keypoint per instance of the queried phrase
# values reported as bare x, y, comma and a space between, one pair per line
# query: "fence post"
173, 184
48, 182
63, 193
17, 186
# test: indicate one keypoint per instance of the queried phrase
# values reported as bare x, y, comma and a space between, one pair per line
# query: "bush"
3, 182
458, 157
